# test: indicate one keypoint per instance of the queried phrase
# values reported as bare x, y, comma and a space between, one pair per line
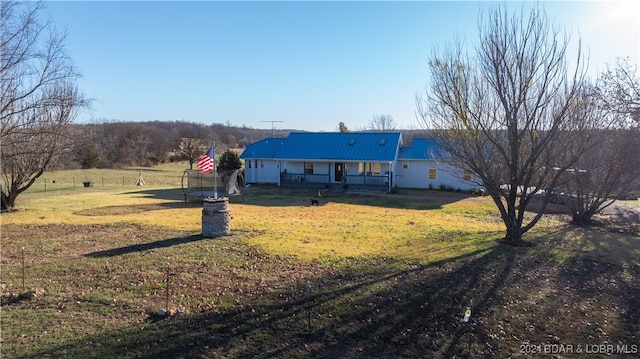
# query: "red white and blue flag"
206, 162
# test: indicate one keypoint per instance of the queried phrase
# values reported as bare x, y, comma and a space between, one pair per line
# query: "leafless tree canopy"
619, 92
382, 123
612, 169
508, 111
39, 97
191, 149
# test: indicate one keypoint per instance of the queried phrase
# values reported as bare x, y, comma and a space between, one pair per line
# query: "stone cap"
214, 200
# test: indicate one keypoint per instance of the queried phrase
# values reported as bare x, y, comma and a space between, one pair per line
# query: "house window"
361, 168
466, 175
261, 163
249, 163
405, 164
373, 168
255, 162
308, 168
433, 173
377, 168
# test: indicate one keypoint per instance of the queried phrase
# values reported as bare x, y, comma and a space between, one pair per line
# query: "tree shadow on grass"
588, 243
167, 194
143, 247
274, 196
369, 311
372, 310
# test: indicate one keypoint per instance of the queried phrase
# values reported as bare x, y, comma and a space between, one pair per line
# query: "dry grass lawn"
390, 276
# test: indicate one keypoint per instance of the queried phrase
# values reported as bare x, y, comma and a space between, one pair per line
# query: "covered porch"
352, 175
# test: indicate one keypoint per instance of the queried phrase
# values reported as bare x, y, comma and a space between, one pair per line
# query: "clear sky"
309, 65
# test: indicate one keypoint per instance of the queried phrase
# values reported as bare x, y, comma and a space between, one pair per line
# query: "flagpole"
215, 172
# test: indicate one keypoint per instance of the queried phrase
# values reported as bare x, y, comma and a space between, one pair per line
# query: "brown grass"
390, 276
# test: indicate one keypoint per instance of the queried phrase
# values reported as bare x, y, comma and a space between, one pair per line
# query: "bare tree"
191, 149
38, 98
508, 113
612, 169
606, 172
381, 123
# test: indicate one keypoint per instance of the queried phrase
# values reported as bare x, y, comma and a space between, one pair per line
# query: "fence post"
23, 270
308, 306
168, 273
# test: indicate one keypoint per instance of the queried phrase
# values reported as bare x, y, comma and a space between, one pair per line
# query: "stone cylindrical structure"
216, 217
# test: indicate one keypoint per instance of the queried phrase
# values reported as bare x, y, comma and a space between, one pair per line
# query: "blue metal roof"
423, 149
266, 148
330, 146
351, 146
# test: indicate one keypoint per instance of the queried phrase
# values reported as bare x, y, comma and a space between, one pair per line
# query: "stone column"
216, 217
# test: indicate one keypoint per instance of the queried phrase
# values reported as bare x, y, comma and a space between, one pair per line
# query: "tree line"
110, 144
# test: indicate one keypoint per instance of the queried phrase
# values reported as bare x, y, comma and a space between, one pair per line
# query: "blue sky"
309, 65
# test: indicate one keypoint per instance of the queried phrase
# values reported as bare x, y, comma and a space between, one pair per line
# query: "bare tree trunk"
4, 202
38, 98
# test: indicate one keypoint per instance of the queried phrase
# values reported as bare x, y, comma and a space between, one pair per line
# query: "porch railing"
353, 181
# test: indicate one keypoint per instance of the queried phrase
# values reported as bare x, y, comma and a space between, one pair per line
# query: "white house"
371, 160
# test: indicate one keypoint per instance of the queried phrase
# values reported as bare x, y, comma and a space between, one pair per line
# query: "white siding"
417, 175
262, 171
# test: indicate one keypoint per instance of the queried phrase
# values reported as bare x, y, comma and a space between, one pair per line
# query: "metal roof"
328, 146
265, 148
422, 149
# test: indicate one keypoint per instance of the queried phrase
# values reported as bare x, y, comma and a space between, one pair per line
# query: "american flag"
206, 162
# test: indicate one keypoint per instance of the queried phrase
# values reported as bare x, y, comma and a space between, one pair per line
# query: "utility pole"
272, 127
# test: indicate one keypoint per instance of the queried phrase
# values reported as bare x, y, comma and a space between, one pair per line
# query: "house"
356, 160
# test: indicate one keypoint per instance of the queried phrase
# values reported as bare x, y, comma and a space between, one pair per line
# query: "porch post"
390, 172
279, 173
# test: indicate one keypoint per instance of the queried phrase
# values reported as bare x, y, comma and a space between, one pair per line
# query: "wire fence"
116, 179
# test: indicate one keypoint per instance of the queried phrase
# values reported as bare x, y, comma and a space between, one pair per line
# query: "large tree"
508, 110
38, 97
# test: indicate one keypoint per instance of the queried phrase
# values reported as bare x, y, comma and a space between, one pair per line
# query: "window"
433, 173
261, 163
376, 168
361, 168
405, 164
308, 168
249, 163
466, 175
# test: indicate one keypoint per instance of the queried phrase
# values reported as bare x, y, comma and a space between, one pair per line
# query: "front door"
338, 169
